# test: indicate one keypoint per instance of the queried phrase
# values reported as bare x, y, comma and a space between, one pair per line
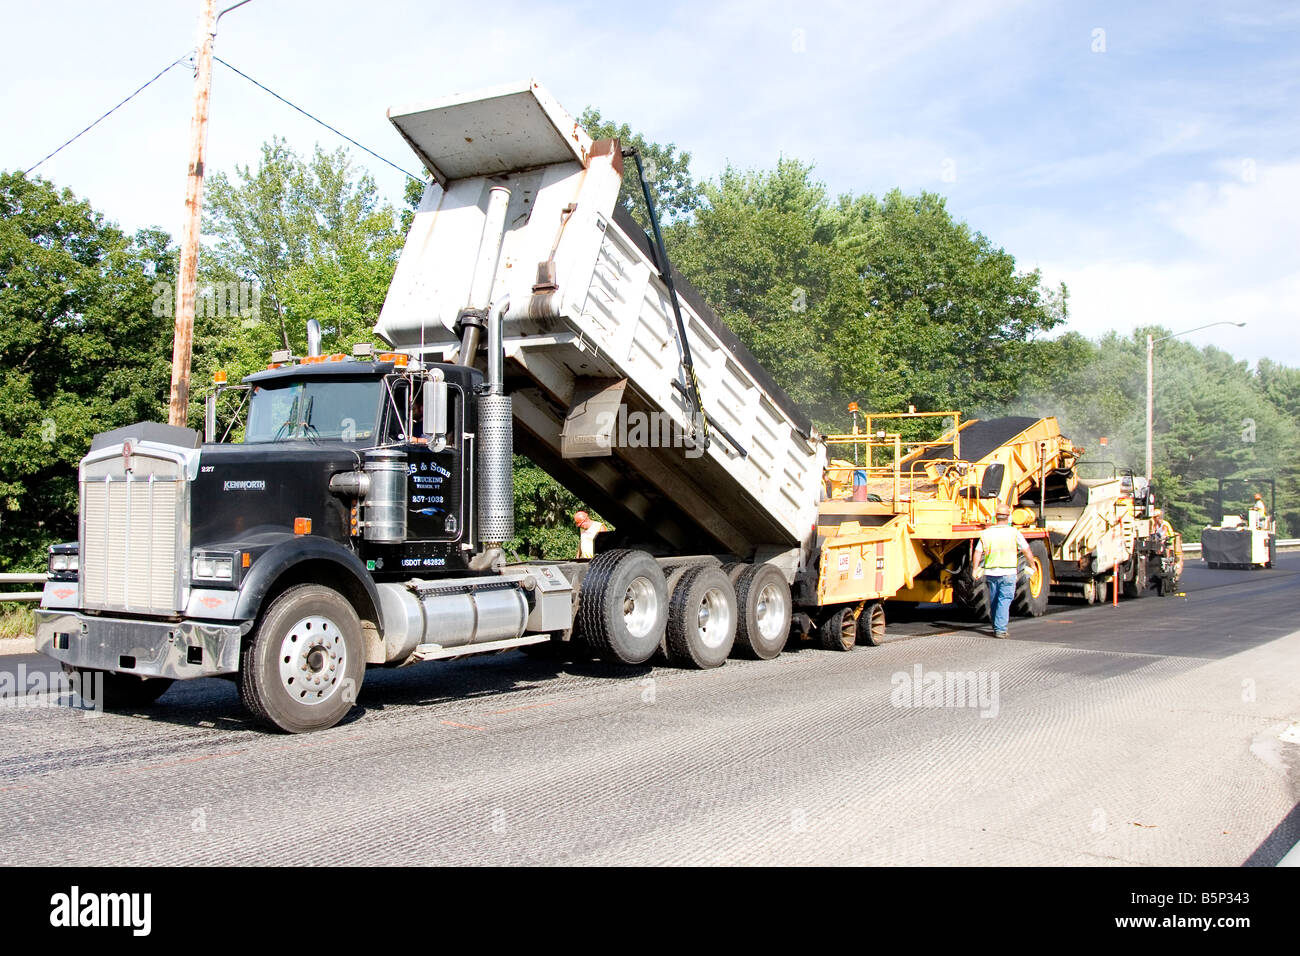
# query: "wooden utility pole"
187, 279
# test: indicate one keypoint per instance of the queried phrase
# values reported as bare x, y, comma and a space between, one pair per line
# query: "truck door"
435, 482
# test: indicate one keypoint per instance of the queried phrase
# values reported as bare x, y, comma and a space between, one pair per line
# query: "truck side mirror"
435, 409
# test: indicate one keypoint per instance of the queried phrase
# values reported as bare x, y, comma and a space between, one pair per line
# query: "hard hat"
1259, 497
579, 517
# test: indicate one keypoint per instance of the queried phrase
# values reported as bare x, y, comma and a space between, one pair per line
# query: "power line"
179, 59
317, 119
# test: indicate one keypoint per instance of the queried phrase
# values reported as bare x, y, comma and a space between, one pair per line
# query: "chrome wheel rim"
770, 612
713, 618
312, 660
640, 607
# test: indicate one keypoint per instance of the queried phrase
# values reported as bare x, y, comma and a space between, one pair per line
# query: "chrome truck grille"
134, 529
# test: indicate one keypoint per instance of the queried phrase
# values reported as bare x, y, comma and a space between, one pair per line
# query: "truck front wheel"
303, 668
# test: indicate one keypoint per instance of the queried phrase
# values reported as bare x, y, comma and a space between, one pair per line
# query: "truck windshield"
313, 410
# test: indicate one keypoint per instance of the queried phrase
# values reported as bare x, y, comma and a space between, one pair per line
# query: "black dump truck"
361, 518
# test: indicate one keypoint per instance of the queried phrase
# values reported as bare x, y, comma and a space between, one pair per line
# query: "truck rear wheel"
701, 618
304, 666
1032, 590
120, 691
623, 608
1135, 586
763, 598
672, 574
838, 631
871, 625
1090, 591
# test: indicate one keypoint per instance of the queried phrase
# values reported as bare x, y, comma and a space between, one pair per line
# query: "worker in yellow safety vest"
996, 554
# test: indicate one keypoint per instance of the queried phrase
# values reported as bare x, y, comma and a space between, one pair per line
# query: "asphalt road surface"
1164, 731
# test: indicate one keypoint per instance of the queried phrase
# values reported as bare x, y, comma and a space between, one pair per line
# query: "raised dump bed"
524, 205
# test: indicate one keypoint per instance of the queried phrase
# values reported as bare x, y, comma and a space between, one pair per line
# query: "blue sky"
1147, 155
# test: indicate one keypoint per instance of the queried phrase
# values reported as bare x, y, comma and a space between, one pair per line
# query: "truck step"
436, 652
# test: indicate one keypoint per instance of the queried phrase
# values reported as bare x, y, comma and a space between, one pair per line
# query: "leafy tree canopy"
888, 302
304, 239
82, 350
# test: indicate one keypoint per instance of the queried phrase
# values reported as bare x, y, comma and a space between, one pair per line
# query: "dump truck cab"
346, 498
314, 431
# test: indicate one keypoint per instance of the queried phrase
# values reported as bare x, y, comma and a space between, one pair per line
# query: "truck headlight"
210, 566
64, 561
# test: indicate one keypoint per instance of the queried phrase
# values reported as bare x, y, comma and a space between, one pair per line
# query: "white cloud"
1242, 264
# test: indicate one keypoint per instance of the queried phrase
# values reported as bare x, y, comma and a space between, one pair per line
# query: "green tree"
82, 350
543, 514
1214, 418
950, 307
761, 249
412, 193
312, 238
885, 302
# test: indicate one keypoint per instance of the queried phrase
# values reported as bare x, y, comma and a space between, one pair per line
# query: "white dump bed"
593, 330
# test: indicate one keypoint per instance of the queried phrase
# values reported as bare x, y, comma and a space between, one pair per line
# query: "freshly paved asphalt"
1164, 731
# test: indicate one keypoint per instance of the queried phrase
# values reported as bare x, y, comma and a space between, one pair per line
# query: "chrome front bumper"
179, 650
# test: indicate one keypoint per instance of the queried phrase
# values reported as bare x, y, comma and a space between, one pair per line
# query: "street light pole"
187, 273
1151, 377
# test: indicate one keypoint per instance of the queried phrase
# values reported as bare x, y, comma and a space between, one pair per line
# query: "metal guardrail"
1195, 548
22, 579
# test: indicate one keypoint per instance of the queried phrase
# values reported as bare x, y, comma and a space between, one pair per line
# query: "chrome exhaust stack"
496, 492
